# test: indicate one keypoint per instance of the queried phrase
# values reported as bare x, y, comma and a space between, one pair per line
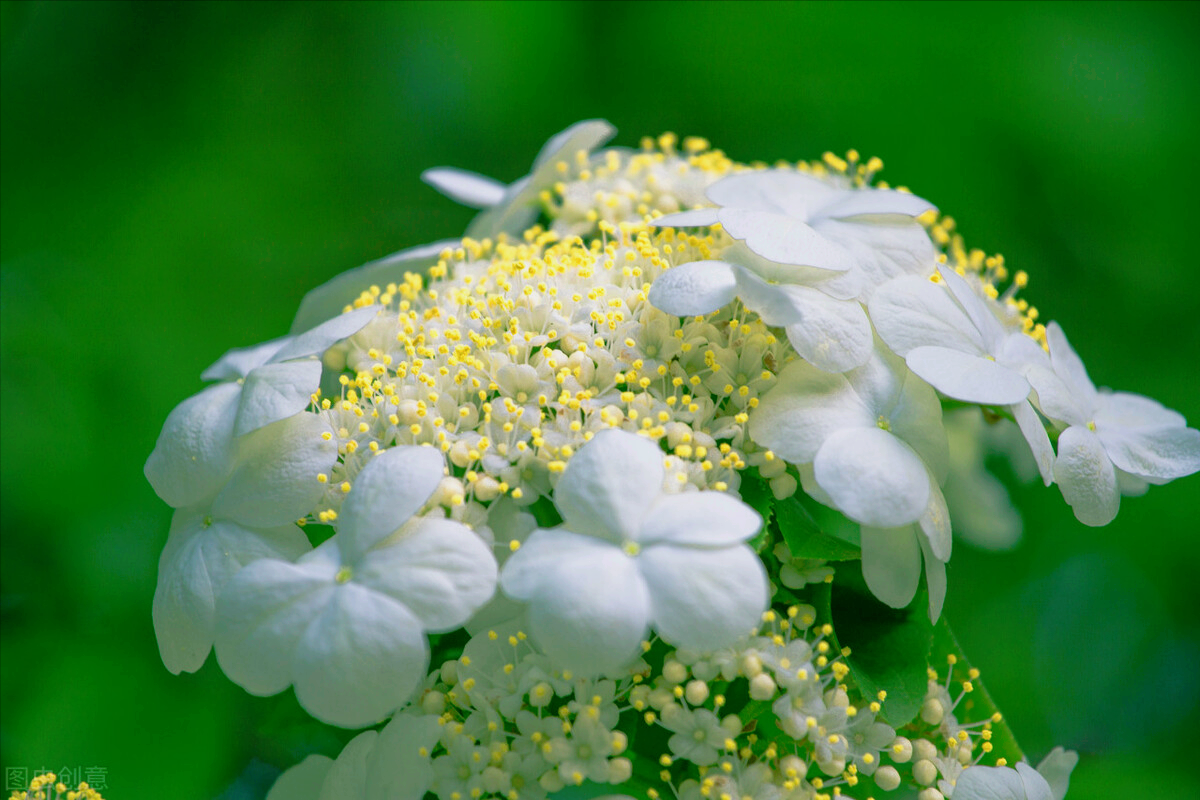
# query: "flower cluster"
557, 503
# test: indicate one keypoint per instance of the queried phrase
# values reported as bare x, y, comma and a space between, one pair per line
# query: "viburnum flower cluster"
578, 499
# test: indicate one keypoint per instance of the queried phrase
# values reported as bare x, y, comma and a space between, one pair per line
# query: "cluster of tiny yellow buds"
47, 786
521, 352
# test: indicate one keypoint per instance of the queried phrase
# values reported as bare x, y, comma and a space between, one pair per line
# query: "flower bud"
887, 778
924, 772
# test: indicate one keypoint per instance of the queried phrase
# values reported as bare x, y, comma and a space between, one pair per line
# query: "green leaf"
889, 648
806, 538
757, 494
978, 704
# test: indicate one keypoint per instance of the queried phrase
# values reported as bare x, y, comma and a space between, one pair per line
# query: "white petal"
707, 519
519, 207
833, 335
200, 557
585, 135
785, 239
262, 613
877, 201
1127, 410
330, 298
589, 606
989, 783
194, 453
916, 417
238, 362
1069, 366
696, 218
1035, 435
891, 564
804, 407
391, 488
881, 247
839, 285
874, 477
276, 391
1056, 769
1165, 453
980, 313
324, 336
910, 312
396, 770
276, 478
968, 377
441, 571
1086, 476
360, 658
347, 777
704, 599
694, 289
1055, 398
469, 188
935, 523
775, 303
935, 580
610, 484
777, 191
303, 781
1036, 787
1020, 352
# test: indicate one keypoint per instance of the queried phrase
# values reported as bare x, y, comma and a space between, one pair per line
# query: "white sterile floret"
1048, 782
812, 248
796, 219
243, 507
950, 337
346, 623
513, 208
871, 444
1105, 432
830, 332
273, 380
392, 763
629, 557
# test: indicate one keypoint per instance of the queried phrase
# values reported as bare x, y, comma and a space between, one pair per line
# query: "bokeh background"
176, 176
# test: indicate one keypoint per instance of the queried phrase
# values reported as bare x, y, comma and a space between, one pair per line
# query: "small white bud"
887, 778
762, 687
924, 772
696, 692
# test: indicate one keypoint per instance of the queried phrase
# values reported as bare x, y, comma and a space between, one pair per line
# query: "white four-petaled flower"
1106, 432
346, 623
811, 249
629, 557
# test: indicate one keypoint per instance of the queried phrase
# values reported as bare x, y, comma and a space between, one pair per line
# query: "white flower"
1106, 432
1048, 782
831, 333
872, 434
871, 444
513, 208
346, 623
628, 557
260, 385
950, 337
265, 481
792, 218
372, 766
800, 232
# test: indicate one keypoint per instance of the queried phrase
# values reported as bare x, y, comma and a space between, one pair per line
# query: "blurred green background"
176, 176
